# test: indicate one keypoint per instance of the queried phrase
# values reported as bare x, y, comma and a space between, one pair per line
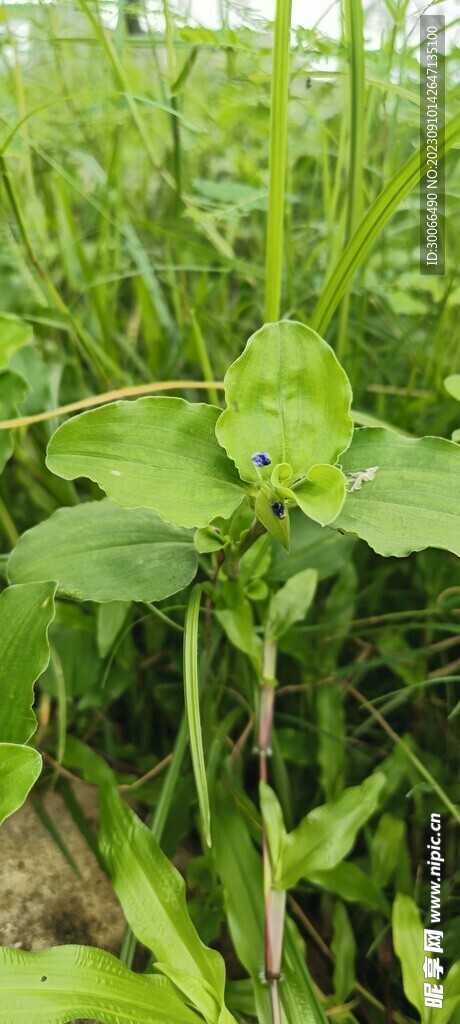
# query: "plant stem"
274, 899
277, 161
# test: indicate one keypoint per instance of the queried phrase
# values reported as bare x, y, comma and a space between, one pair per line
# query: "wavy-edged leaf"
413, 502
57, 985
288, 396
326, 834
192, 707
97, 549
25, 614
152, 894
158, 453
19, 769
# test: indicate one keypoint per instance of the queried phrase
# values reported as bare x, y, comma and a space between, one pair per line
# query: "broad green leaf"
192, 707
288, 396
157, 453
13, 389
327, 834
452, 385
322, 494
14, 334
408, 944
97, 550
352, 884
152, 894
240, 868
58, 985
343, 946
413, 502
25, 614
291, 603
19, 769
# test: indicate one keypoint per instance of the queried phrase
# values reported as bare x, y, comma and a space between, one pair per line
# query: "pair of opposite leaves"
289, 399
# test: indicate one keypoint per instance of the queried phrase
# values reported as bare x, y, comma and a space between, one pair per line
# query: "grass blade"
192, 705
373, 223
277, 161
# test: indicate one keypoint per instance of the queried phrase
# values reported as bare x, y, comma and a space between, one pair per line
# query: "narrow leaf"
19, 769
408, 944
97, 549
343, 947
291, 603
157, 453
25, 614
413, 500
327, 834
287, 396
192, 706
240, 868
152, 894
58, 985
352, 884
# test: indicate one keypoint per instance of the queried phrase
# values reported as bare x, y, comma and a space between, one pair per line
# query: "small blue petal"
278, 510
261, 459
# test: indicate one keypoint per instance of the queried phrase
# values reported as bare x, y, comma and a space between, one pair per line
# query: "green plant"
126, 276
283, 447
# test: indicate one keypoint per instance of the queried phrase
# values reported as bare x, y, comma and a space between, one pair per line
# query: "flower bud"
261, 459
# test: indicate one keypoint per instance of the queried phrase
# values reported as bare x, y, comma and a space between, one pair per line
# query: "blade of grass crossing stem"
192, 707
373, 223
277, 161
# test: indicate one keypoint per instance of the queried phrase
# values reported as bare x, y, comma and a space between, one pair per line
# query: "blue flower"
261, 459
278, 510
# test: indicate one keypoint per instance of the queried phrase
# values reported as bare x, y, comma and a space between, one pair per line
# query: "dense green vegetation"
136, 207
